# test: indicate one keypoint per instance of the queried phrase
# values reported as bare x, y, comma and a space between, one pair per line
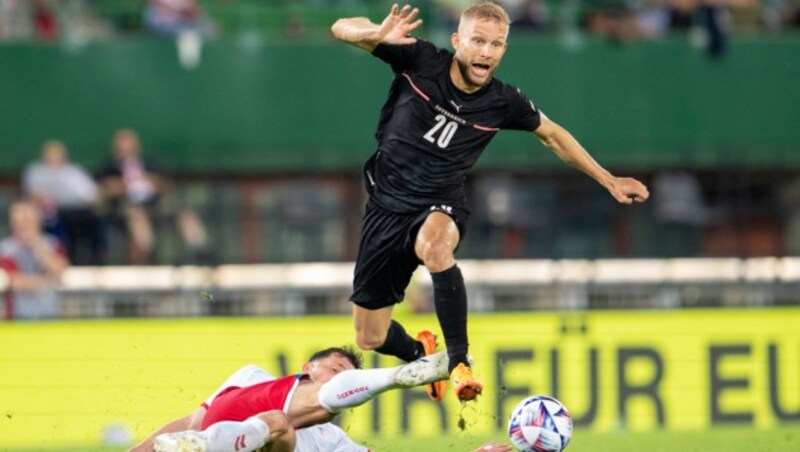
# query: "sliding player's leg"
271, 428
355, 387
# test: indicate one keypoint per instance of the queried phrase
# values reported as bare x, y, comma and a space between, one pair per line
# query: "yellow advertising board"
76, 382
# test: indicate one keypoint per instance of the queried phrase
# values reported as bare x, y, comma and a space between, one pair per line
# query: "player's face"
323, 369
479, 46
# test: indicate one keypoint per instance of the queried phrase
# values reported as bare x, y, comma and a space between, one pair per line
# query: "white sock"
245, 436
354, 387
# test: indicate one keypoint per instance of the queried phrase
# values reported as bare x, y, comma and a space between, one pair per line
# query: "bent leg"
371, 326
375, 330
282, 437
435, 243
270, 428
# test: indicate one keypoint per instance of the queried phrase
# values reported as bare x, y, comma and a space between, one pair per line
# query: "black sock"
398, 343
450, 301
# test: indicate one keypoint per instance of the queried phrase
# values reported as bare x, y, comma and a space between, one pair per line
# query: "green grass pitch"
730, 439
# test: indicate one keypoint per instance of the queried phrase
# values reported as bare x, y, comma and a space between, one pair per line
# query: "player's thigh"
384, 264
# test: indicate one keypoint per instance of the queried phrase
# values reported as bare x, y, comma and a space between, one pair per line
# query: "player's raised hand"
397, 26
628, 190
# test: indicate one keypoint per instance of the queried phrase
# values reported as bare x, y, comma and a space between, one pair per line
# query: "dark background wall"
253, 108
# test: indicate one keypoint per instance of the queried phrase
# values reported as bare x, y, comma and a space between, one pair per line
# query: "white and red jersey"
316, 438
239, 403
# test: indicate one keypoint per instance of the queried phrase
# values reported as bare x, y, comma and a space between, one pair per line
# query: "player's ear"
454, 40
306, 368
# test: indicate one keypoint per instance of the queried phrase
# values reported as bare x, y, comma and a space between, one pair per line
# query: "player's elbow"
338, 29
335, 28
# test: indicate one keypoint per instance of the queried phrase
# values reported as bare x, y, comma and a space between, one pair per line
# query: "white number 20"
445, 135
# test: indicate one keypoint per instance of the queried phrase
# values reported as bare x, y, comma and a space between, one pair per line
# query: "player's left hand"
494, 447
397, 26
628, 190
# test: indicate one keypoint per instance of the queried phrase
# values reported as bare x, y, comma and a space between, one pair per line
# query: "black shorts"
386, 256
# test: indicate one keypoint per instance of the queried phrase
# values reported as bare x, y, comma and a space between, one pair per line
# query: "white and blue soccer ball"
540, 424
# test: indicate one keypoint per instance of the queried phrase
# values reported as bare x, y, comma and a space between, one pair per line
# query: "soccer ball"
540, 424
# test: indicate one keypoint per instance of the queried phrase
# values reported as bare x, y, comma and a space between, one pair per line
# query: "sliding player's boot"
436, 389
422, 371
467, 387
188, 441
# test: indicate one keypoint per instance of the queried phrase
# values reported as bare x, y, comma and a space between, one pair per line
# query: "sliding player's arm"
364, 34
624, 189
192, 421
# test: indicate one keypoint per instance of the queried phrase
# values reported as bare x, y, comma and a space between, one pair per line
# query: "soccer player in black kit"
442, 110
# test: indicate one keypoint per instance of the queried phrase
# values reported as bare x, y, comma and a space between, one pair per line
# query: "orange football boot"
436, 389
467, 387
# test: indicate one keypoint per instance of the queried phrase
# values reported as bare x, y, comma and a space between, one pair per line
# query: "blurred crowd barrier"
493, 286
531, 214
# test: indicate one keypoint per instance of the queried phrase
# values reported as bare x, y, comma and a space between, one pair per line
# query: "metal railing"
493, 286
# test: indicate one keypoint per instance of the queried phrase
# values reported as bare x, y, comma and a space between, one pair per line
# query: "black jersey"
430, 133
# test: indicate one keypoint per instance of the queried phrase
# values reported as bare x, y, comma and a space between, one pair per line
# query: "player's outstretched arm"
364, 34
625, 190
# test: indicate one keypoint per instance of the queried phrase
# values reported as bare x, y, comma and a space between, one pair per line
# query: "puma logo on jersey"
458, 107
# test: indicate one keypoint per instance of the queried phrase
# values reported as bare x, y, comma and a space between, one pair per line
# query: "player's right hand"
627, 190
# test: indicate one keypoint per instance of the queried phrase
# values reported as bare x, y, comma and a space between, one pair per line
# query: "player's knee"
278, 423
437, 256
282, 436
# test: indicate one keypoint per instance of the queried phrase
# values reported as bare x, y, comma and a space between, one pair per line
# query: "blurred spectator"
710, 13
529, 15
782, 13
680, 210
26, 19
132, 187
651, 17
184, 20
67, 196
44, 20
701, 14
135, 190
747, 15
16, 19
34, 262
682, 14
610, 19
789, 197
173, 17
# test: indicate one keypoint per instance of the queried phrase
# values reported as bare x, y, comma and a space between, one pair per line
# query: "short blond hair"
487, 10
